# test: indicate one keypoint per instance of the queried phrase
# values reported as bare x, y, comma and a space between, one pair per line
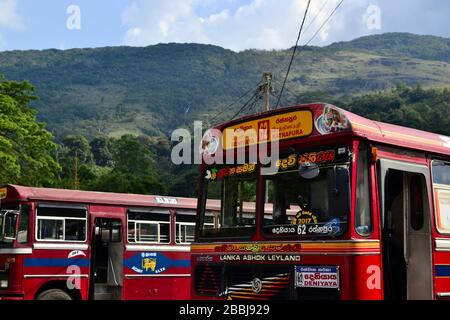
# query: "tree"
133, 170
78, 146
26, 147
102, 149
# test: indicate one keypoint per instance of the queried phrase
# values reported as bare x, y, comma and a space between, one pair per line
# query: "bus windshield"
307, 207
8, 220
306, 196
236, 187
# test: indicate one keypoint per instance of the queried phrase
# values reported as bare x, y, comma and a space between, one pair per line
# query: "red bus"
63, 244
351, 209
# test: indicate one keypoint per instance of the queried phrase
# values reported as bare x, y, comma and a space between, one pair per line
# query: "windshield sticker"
332, 121
305, 217
316, 277
216, 174
330, 228
254, 247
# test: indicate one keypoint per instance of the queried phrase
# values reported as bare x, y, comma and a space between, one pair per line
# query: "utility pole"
76, 179
266, 90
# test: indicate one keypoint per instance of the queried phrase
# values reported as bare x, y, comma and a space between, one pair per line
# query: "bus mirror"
8, 223
309, 170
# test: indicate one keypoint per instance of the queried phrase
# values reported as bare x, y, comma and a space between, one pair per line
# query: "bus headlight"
3, 283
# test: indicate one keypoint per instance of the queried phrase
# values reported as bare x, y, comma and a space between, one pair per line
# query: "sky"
232, 24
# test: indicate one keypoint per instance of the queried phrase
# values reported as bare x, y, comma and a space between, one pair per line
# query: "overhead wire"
315, 17
286, 87
226, 108
307, 43
322, 25
293, 54
255, 95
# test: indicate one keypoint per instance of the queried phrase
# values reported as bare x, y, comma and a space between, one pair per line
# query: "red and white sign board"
317, 277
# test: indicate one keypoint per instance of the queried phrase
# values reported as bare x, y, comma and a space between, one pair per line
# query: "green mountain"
152, 90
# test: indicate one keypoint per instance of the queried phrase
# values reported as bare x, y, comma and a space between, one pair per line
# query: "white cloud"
261, 24
157, 21
8, 15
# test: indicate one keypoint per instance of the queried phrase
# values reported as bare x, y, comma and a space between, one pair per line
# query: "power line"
312, 38
316, 16
286, 87
253, 106
293, 54
255, 95
231, 104
322, 25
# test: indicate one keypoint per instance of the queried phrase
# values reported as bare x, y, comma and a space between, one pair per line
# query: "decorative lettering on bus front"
220, 174
261, 257
279, 127
319, 157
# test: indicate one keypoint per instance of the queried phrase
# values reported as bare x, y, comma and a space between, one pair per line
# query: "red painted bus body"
372, 203
63, 244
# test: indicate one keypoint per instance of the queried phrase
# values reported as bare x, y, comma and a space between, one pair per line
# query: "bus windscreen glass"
236, 187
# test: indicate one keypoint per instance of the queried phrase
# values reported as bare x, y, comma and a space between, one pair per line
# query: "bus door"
107, 260
406, 230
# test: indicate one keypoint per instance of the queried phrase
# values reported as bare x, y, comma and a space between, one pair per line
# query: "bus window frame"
10, 240
364, 147
203, 209
60, 218
29, 213
179, 224
178, 231
217, 217
342, 235
148, 211
433, 191
309, 149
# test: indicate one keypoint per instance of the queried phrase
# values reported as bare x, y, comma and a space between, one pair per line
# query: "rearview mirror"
8, 224
309, 170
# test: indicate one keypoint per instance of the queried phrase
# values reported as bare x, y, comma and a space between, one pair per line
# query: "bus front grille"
258, 282
209, 279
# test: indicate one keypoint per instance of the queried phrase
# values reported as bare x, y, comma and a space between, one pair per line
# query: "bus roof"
91, 197
22, 193
326, 119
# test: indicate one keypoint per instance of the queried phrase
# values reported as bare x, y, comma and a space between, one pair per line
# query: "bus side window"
441, 189
54, 223
149, 226
416, 203
184, 227
363, 214
24, 224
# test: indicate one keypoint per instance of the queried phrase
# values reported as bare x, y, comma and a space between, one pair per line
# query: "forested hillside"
111, 110
118, 90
